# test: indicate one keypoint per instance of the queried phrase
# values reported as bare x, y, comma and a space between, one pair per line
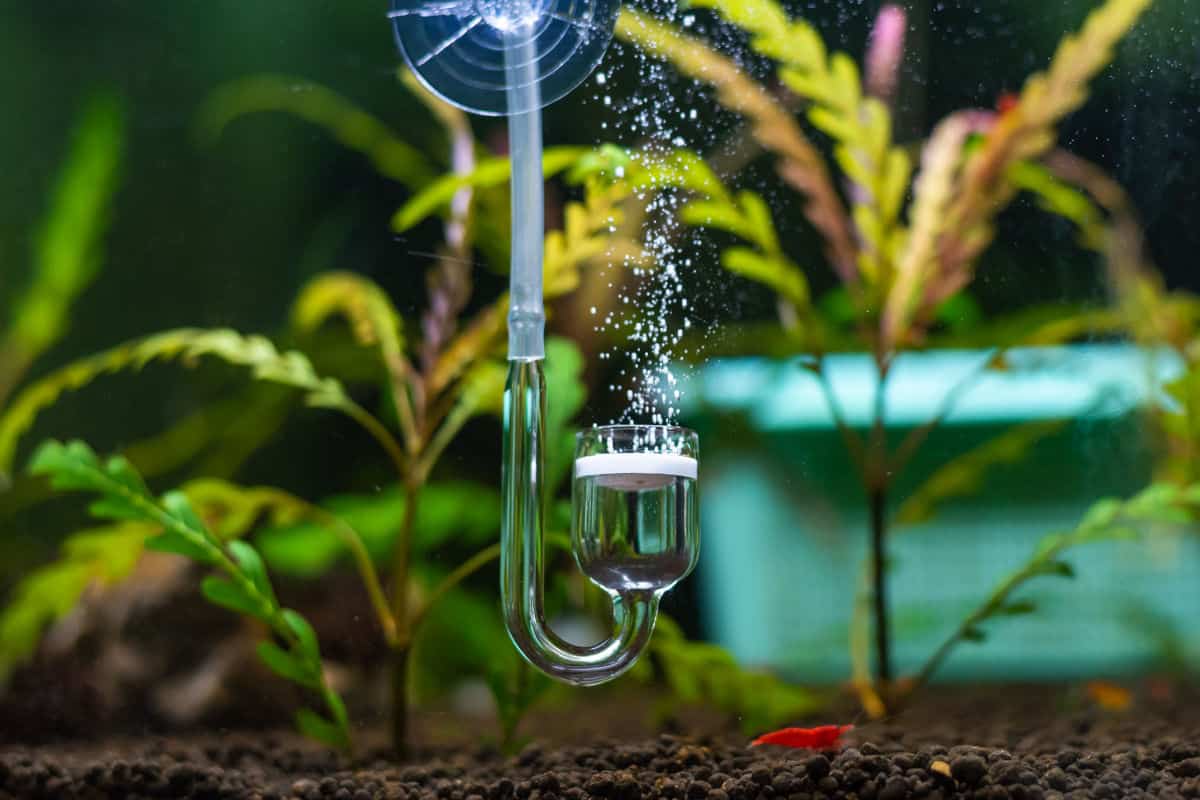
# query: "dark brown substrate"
982, 745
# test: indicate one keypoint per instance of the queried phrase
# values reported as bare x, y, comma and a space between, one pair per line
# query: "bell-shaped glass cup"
635, 524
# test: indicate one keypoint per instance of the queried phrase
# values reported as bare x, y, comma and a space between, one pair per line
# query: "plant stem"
403, 641
878, 480
13, 365
457, 576
400, 556
379, 433
912, 443
878, 504
851, 439
365, 567
400, 663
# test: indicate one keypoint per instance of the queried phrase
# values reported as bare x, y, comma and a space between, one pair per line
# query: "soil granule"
979, 745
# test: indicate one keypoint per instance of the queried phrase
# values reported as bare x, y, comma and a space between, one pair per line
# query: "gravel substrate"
990, 746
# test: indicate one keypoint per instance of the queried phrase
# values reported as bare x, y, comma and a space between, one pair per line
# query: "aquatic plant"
176, 527
435, 385
434, 376
900, 273
1162, 508
68, 245
1108, 224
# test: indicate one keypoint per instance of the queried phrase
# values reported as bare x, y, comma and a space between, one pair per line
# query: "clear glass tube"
522, 566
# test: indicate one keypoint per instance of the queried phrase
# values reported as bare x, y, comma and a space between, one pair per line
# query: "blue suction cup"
458, 47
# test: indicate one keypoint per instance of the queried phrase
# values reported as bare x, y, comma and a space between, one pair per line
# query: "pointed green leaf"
488, 172
287, 666
785, 278
120, 470
116, 507
233, 597
172, 542
758, 217
252, 565
305, 634
1101, 514
1018, 608
1061, 568
973, 634
180, 508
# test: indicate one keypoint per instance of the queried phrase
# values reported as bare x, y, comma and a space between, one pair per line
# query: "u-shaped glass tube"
634, 529
522, 565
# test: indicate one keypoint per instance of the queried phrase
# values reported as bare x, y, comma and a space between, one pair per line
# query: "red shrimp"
825, 737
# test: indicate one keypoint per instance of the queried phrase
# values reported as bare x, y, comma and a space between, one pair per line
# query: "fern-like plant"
434, 375
68, 245
898, 264
435, 383
239, 583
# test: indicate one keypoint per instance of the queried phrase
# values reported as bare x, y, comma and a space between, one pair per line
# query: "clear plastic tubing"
522, 564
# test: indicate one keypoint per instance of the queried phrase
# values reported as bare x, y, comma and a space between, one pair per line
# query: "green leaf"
178, 506
187, 345
837, 306
172, 542
1063, 200
1101, 514
252, 565
249, 592
233, 597
372, 316
69, 466
123, 495
1017, 609
488, 172
974, 635
682, 169
69, 241
601, 163
115, 507
306, 637
785, 278
1059, 568
717, 214
314, 726
234, 511
758, 218
1106, 521
348, 124
966, 473
287, 666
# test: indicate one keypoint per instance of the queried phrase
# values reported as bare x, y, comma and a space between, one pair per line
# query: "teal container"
785, 521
